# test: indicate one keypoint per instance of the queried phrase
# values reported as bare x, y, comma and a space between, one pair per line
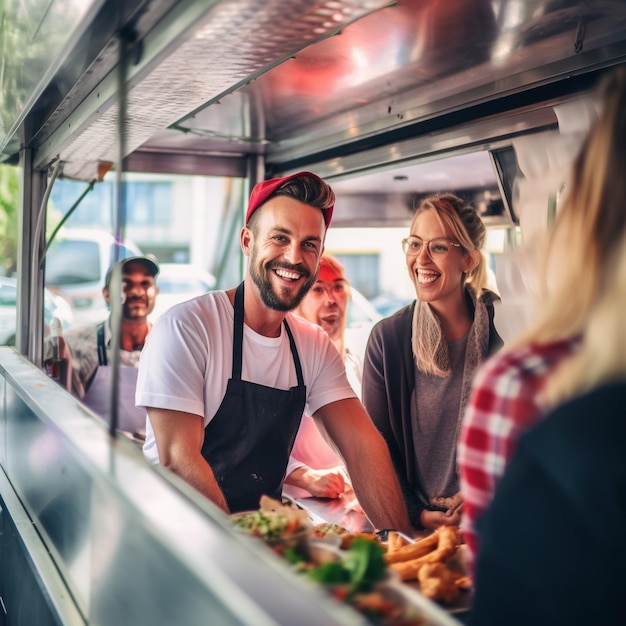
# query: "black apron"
248, 442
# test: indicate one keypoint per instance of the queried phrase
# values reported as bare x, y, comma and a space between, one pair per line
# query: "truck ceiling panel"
320, 81
198, 53
413, 68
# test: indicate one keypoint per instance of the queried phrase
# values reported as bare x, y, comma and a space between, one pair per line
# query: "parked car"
178, 282
76, 266
54, 306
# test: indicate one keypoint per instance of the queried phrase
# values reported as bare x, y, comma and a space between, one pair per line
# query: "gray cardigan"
388, 383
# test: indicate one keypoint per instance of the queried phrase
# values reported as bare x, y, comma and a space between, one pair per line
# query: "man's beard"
128, 311
263, 282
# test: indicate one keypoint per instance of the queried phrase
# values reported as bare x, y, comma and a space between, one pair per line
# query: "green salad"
268, 526
362, 566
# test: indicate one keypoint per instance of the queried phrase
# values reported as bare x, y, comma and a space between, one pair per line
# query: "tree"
9, 190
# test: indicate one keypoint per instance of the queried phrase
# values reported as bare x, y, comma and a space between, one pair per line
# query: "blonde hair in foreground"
589, 226
602, 355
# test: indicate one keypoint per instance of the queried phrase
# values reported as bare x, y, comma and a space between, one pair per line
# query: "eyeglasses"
437, 248
333, 290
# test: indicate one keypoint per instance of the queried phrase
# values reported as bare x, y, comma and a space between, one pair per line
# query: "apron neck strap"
238, 340
102, 351
238, 333
294, 352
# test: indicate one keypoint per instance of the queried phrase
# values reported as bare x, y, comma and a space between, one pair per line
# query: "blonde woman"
508, 396
420, 361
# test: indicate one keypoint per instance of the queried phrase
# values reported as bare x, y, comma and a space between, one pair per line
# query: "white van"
75, 268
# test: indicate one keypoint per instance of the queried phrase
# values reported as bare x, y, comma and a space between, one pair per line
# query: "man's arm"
368, 462
179, 438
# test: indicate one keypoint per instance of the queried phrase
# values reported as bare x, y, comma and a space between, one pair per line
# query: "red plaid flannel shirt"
503, 404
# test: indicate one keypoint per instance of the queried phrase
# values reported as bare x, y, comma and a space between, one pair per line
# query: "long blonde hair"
602, 354
590, 224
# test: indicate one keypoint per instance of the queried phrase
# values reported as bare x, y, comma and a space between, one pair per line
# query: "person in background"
315, 468
420, 361
90, 351
551, 549
507, 395
227, 376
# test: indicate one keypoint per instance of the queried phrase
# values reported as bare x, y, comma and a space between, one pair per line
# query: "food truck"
373, 96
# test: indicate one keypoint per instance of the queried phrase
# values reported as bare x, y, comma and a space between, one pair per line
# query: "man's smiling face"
139, 291
286, 245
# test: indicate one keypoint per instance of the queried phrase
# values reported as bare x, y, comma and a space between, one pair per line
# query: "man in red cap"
226, 377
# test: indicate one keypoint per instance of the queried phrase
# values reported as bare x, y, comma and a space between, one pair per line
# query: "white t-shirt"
187, 361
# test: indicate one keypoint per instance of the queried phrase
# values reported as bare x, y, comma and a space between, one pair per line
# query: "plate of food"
336, 534
277, 524
358, 576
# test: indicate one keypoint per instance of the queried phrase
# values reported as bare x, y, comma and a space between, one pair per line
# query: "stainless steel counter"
128, 542
106, 538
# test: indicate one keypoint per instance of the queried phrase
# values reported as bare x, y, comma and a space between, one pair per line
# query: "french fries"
395, 541
425, 562
412, 550
435, 548
437, 582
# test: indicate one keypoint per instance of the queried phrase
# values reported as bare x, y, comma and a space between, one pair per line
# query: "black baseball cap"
150, 264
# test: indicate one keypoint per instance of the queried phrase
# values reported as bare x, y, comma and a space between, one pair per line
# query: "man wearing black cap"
90, 346
226, 376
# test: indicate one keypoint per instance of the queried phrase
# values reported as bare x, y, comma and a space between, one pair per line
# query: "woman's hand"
434, 519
